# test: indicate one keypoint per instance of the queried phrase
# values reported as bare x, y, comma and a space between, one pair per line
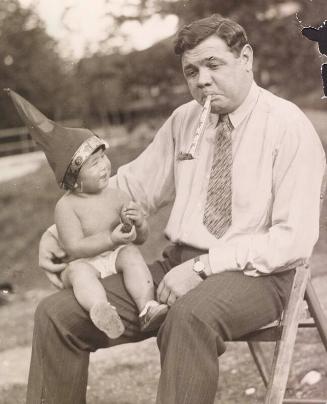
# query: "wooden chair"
284, 332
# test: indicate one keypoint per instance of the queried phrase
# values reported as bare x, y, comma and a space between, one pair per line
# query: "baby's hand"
127, 223
119, 237
133, 213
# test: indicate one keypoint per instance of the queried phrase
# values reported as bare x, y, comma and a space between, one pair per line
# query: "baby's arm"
73, 240
142, 232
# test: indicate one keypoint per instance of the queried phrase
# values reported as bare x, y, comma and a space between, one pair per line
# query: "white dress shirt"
278, 165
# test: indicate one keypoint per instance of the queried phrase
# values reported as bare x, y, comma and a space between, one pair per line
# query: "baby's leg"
137, 277
139, 283
90, 294
84, 279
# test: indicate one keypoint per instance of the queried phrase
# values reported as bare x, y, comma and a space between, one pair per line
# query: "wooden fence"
18, 140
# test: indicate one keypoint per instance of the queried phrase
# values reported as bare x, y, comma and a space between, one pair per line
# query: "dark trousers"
223, 307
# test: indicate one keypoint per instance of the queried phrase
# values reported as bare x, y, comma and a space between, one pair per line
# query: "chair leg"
316, 312
284, 348
260, 360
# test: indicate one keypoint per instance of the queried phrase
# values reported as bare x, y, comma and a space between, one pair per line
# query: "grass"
125, 374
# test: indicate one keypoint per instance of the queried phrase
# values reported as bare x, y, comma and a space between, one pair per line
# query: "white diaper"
105, 263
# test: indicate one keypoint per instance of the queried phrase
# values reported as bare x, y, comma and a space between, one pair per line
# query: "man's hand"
51, 257
118, 236
54, 278
177, 282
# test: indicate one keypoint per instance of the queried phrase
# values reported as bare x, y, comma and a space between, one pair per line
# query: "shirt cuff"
223, 259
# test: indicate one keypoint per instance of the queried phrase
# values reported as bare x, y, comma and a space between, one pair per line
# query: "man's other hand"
54, 278
177, 282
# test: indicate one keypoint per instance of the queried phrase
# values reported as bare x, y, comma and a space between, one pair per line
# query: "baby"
89, 222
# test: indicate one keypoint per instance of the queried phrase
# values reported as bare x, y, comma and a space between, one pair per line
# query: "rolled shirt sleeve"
149, 179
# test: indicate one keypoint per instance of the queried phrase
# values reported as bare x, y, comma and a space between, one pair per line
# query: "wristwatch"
199, 267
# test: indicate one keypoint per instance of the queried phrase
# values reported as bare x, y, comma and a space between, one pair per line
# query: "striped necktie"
218, 210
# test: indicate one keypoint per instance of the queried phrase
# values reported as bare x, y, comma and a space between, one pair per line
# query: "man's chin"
218, 105
218, 109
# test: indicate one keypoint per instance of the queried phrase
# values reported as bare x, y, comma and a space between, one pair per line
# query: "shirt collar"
237, 116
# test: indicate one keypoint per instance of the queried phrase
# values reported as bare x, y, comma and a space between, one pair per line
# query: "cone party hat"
66, 149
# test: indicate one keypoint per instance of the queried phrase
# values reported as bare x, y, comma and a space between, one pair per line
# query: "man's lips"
213, 96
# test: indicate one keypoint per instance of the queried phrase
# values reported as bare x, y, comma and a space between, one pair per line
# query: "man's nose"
204, 77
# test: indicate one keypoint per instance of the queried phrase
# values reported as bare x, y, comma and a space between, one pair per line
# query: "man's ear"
246, 56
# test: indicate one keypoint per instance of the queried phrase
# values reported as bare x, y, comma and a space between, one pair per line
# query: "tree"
285, 61
31, 65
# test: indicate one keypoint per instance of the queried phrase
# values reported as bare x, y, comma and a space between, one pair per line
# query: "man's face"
211, 68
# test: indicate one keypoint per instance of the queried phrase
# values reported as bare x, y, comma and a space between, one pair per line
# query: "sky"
87, 25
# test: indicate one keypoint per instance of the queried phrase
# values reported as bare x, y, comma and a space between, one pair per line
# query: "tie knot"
224, 122
223, 118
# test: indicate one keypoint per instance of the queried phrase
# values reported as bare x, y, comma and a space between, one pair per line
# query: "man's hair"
228, 30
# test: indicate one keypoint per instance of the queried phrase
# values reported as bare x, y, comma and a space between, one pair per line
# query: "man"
245, 214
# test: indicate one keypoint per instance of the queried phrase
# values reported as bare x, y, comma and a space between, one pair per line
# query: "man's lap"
63, 309
236, 304
241, 302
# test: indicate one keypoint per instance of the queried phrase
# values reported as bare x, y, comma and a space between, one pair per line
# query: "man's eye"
190, 73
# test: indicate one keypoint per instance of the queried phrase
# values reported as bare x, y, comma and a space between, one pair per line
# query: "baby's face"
95, 172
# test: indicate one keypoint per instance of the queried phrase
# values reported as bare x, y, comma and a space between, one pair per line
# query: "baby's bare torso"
98, 212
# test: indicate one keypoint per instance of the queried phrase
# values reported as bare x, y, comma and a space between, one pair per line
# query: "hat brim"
88, 147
